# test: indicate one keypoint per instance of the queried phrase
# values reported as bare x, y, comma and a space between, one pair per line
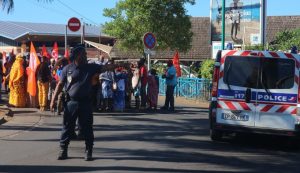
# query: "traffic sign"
150, 52
74, 24
149, 40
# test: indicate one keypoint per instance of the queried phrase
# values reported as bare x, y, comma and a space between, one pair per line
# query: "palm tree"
9, 4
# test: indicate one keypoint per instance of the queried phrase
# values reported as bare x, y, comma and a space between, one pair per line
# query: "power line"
77, 12
49, 9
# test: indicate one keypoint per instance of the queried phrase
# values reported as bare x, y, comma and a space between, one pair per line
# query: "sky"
90, 11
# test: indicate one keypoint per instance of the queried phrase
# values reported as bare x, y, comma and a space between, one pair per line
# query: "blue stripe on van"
261, 96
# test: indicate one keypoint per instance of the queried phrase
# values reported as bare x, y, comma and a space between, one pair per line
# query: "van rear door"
277, 93
237, 91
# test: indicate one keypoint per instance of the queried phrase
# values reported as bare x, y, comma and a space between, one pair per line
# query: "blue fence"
191, 88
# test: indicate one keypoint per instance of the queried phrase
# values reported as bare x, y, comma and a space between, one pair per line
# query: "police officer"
76, 78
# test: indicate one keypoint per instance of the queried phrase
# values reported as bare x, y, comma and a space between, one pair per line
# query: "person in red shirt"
143, 78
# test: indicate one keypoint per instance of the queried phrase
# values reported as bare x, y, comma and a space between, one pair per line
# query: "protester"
136, 84
76, 77
100, 100
17, 96
52, 84
153, 89
119, 94
107, 79
44, 78
143, 78
171, 82
59, 66
128, 87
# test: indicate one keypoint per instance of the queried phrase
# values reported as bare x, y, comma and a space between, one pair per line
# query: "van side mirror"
248, 95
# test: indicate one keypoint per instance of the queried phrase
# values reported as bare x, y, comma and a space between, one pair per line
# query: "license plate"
235, 117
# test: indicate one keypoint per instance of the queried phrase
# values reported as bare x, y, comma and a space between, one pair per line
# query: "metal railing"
190, 88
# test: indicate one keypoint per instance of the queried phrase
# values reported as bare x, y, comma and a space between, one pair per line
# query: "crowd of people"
113, 90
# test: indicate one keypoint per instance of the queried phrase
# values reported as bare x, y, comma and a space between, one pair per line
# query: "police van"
256, 92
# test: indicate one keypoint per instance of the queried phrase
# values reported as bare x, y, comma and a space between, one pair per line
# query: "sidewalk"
23, 119
183, 102
5, 113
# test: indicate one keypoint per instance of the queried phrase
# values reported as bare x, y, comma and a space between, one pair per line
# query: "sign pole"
149, 61
82, 34
66, 40
223, 24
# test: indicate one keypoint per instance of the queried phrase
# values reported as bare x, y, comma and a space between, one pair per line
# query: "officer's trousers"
83, 110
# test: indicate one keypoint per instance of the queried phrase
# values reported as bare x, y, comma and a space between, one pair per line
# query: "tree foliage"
166, 19
206, 69
255, 47
284, 40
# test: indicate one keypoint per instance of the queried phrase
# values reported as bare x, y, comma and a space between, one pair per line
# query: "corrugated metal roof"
14, 30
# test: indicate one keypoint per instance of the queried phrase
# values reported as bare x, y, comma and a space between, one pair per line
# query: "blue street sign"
149, 40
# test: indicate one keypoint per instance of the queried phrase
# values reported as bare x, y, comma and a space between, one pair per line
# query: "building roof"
16, 30
277, 24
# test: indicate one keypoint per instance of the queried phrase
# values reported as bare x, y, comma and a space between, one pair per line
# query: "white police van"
256, 92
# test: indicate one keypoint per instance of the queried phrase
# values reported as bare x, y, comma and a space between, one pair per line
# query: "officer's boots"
89, 154
63, 153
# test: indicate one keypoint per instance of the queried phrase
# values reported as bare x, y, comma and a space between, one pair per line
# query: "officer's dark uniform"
77, 81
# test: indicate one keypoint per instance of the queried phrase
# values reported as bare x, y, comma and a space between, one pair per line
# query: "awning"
102, 47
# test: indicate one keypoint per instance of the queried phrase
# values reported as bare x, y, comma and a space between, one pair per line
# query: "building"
14, 34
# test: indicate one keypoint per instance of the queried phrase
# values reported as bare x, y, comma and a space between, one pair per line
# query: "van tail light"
214, 91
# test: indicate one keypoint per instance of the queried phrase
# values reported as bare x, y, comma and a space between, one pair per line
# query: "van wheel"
216, 135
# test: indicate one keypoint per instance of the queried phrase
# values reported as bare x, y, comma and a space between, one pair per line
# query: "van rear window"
259, 73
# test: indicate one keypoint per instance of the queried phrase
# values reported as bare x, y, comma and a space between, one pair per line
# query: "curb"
5, 114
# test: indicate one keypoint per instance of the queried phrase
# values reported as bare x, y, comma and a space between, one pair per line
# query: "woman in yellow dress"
17, 96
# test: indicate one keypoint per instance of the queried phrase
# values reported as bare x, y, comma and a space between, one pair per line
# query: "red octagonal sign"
74, 24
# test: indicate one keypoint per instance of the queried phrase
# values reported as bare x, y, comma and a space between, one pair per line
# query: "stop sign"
74, 24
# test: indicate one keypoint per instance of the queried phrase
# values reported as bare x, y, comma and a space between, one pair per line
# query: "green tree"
284, 40
255, 47
9, 4
206, 69
166, 19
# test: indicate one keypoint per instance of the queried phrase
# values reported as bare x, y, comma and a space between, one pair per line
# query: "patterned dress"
17, 96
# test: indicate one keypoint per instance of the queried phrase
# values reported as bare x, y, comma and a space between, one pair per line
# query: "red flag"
45, 52
67, 53
55, 51
177, 64
31, 69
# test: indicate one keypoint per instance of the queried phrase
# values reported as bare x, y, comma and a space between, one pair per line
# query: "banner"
31, 70
45, 52
243, 21
177, 64
55, 51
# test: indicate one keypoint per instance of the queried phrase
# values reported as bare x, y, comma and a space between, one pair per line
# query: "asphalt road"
143, 142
